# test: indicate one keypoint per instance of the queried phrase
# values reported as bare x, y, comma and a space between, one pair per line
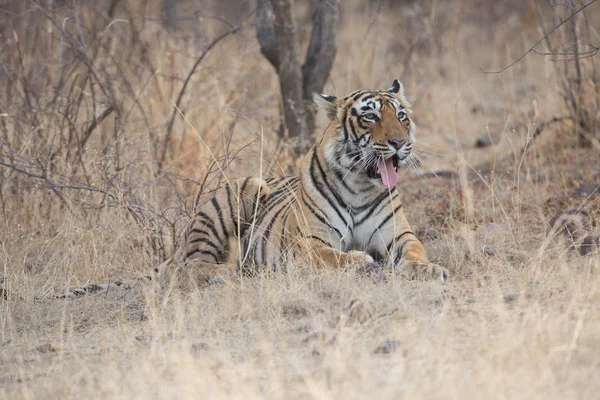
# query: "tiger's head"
374, 134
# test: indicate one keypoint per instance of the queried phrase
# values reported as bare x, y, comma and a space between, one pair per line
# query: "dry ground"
519, 318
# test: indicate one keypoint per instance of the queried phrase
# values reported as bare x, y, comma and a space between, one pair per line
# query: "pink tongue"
389, 176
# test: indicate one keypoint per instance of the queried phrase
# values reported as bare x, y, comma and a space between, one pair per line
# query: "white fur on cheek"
412, 130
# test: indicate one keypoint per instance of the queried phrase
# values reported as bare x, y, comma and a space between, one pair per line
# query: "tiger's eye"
371, 116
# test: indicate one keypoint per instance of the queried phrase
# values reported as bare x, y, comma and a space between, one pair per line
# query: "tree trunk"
278, 37
290, 74
319, 56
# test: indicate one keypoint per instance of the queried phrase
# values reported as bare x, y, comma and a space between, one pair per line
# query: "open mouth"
386, 170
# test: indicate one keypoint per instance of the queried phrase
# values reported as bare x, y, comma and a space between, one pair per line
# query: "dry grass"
522, 323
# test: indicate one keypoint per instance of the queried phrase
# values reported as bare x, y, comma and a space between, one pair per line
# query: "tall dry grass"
87, 97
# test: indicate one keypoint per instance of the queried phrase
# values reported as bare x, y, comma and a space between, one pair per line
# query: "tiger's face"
374, 133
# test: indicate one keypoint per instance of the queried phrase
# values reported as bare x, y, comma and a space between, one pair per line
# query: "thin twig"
532, 48
95, 123
540, 127
187, 81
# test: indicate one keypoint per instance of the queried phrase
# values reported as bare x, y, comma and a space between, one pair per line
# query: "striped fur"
337, 214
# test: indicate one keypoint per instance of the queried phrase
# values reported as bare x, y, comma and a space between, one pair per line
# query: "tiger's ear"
328, 103
396, 88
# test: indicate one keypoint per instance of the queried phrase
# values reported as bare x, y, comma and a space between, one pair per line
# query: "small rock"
476, 109
491, 227
539, 178
315, 336
295, 310
387, 347
199, 347
489, 251
587, 190
143, 338
46, 348
483, 141
510, 297
487, 140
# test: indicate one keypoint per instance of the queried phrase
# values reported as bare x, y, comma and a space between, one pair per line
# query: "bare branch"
185, 84
265, 31
319, 57
322, 49
532, 48
290, 74
95, 123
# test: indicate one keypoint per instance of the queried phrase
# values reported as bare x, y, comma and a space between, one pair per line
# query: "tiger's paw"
417, 270
373, 270
367, 265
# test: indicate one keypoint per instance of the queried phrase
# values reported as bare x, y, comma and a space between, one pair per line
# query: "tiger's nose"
397, 142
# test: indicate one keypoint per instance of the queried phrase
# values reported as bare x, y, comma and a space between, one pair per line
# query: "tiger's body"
343, 211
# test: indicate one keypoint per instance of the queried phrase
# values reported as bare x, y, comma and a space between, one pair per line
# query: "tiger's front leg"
407, 255
320, 253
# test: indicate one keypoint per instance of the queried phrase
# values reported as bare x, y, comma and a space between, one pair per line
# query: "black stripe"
267, 234
385, 220
275, 181
277, 195
312, 210
335, 194
243, 188
208, 242
368, 97
272, 207
361, 126
358, 94
399, 206
206, 252
378, 200
320, 189
318, 239
283, 239
242, 196
363, 135
198, 230
348, 122
401, 250
397, 239
344, 125
340, 177
255, 249
231, 214
286, 188
219, 211
209, 224
354, 132
378, 204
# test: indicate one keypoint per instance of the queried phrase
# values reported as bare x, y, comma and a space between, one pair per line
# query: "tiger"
343, 210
